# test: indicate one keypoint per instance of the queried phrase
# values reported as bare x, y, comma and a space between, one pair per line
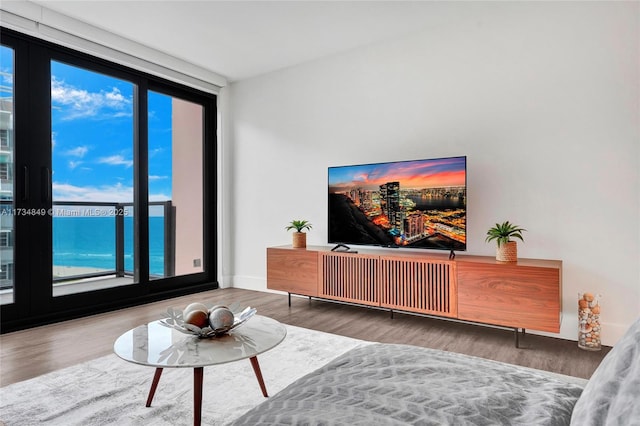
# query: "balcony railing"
119, 270
119, 233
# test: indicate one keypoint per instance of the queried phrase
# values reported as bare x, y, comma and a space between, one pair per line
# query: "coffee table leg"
256, 369
154, 385
198, 374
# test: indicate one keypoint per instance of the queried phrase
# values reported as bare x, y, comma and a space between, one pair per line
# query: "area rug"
110, 391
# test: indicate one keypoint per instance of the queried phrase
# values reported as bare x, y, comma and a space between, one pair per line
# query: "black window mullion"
210, 188
141, 184
36, 149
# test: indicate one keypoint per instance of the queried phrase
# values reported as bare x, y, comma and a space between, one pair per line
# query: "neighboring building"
6, 188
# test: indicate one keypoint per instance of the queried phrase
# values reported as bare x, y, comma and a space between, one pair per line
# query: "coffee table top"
156, 345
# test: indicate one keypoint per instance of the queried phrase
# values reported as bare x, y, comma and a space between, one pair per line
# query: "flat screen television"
413, 204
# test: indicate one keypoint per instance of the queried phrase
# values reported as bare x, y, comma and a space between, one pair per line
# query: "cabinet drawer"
510, 295
293, 271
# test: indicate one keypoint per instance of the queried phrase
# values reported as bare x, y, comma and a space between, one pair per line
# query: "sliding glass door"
106, 183
92, 118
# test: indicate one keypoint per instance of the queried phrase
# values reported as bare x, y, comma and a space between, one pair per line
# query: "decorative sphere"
194, 307
213, 308
197, 318
220, 317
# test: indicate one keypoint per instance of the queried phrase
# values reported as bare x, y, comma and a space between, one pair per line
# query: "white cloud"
117, 193
79, 103
115, 98
116, 160
154, 177
79, 151
156, 151
106, 193
7, 77
159, 197
74, 164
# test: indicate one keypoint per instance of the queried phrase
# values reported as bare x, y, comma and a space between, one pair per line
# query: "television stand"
452, 255
522, 295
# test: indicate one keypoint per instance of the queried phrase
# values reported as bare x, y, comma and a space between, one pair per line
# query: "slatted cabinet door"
349, 277
423, 286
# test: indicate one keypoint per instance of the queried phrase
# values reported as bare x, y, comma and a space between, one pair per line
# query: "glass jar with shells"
589, 326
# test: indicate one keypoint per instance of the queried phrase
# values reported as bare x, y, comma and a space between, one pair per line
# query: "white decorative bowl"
175, 320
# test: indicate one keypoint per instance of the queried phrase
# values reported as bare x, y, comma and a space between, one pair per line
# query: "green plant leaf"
299, 225
503, 232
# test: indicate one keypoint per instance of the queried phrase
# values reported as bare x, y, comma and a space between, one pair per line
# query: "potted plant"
507, 250
299, 237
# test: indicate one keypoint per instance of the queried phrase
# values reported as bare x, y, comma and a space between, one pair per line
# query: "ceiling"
243, 39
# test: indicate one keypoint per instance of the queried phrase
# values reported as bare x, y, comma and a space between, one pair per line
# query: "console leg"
391, 312
289, 299
517, 334
154, 385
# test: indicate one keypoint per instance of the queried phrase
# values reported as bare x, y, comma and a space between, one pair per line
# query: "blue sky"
6, 66
92, 136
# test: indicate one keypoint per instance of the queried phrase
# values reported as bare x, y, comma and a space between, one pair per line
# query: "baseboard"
226, 281
249, 283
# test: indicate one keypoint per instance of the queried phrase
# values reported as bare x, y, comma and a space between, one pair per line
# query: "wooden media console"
523, 295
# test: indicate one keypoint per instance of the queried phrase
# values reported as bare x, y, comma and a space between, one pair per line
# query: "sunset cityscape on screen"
417, 204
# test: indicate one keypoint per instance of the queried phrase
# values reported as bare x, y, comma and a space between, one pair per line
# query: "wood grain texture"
416, 285
29, 353
524, 294
511, 295
293, 270
349, 278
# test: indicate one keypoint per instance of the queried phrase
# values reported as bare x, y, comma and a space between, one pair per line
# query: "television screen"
416, 204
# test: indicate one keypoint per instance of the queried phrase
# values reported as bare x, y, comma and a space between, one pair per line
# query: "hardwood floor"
30, 353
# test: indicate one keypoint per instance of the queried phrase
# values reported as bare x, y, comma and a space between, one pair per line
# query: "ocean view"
90, 242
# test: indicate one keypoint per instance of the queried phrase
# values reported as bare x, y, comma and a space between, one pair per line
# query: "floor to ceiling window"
107, 185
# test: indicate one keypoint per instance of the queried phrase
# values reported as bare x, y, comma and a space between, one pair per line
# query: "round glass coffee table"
156, 345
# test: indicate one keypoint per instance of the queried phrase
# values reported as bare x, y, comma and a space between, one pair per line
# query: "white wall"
543, 98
